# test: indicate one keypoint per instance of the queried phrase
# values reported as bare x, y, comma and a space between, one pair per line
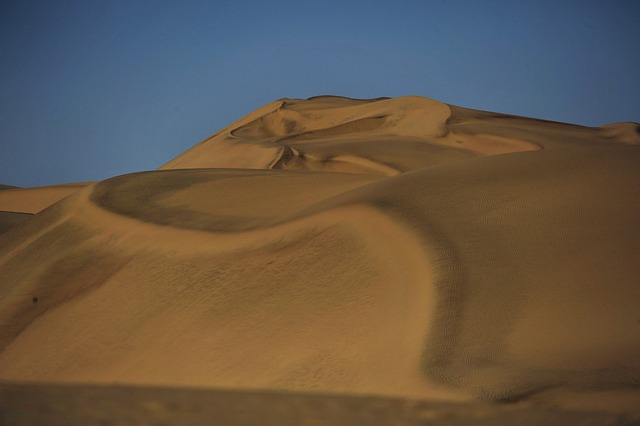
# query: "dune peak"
397, 247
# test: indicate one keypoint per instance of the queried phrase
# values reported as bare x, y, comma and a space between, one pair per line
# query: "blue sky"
92, 89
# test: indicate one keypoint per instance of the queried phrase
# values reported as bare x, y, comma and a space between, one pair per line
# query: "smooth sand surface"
35, 199
89, 405
401, 248
10, 219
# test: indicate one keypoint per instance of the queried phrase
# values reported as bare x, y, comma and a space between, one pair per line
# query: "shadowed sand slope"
36, 199
19, 204
346, 246
99, 405
10, 219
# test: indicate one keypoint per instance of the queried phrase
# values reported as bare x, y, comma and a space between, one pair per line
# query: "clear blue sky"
91, 89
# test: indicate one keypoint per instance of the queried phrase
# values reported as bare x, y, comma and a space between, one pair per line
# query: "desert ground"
334, 261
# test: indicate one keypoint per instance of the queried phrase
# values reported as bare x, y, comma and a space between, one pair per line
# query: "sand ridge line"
55, 219
175, 197
200, 149
252, 142
34, 200
389, 238
509, 277
168, 238
293, 159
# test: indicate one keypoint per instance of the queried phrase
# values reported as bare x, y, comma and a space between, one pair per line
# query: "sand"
390, 248
35, 199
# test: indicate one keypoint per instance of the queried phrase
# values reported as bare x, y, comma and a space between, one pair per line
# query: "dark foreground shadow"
28, 404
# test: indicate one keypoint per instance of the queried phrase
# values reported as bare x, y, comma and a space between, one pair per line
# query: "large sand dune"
392, 247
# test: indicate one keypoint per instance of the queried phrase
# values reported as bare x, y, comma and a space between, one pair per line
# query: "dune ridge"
34, 200
397, 247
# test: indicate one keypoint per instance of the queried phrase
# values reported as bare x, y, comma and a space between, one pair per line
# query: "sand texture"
35, 199
389, 248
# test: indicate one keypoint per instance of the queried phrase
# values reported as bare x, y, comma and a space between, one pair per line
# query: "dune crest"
396, 247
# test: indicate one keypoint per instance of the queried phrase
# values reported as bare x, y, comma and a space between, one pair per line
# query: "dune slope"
397, 247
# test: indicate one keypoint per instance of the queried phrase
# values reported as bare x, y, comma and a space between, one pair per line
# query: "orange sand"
395, 247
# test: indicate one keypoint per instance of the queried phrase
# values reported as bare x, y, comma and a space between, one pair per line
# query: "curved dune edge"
34, 200
328, 133
10, 219
394, 247
379, 301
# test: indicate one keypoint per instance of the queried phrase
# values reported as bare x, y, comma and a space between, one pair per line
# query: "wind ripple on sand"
358, 248
321, 283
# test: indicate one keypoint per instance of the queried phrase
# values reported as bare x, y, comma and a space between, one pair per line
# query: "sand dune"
35, 199
10, 219
395, 247
19, 204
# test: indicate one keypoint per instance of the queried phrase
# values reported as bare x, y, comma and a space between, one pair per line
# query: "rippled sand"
399, 248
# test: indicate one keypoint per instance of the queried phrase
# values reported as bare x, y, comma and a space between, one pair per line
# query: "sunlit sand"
389, 248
